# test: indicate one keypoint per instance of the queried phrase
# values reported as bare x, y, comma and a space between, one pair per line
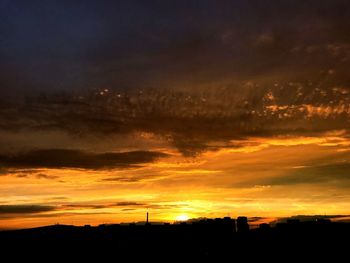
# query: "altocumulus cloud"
64, 158
192, 122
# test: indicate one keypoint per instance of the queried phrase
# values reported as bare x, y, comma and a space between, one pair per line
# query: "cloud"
122, 179
83, 206
305, 218
120, 205
125, 178
63, 158
336, 173
24, 173
129, 204
45, 176
134, 205
191, 121
58, 198
61, 207
25, 209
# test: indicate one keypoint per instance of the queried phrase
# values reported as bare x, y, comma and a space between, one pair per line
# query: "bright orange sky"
264, 177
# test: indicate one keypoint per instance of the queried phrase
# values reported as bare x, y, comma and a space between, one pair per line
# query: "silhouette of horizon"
202, 239
253, 221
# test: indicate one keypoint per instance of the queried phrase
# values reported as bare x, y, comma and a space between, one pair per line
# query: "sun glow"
182, 218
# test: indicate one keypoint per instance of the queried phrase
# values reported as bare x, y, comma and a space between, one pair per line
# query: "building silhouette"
204, 238
242, 224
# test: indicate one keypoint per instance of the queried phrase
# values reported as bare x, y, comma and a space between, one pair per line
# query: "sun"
182, 217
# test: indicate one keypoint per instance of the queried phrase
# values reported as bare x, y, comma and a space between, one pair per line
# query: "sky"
111, 109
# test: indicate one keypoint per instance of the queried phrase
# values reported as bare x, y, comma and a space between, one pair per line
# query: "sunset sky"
111, 109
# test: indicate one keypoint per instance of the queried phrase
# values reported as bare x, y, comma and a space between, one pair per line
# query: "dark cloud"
83, 206
3, 171
63, 158
193, 121
122, 179
120, 205
55, 198
129, 204
22, 173
50, 215
65, 45
131, 178
20, 210
45, 176
25, 209
331, 174
126, 204
305, 218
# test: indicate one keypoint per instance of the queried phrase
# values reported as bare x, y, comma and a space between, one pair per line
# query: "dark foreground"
215, 240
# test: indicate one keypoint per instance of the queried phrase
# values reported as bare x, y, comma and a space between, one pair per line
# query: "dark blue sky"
54, 45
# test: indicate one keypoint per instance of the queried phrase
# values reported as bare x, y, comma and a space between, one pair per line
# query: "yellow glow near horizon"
182, 217
265, 182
